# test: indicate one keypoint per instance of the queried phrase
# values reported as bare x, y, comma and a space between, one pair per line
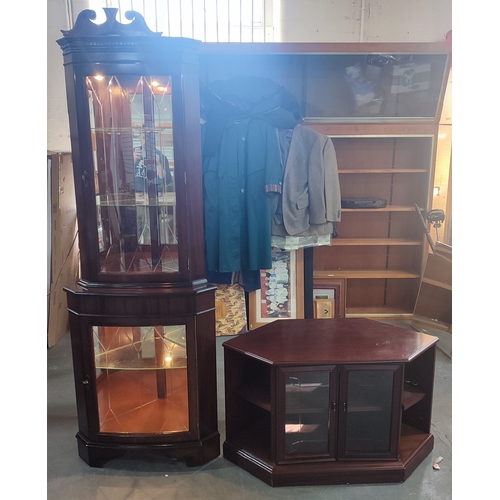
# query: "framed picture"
324, 293
281, 295
324, 308
230, 310
330, 289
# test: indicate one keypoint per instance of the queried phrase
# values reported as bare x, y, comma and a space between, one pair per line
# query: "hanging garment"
239, 185
242, 172
311, 187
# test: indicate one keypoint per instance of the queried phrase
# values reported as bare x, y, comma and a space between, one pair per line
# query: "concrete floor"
70, 478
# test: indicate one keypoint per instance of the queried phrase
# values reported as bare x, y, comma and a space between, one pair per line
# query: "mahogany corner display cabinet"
329, 401
142, 316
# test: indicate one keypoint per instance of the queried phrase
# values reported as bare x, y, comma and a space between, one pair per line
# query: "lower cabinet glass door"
369, 412
141, 379
307, 419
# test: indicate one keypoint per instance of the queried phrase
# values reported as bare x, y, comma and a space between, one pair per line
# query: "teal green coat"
239, 185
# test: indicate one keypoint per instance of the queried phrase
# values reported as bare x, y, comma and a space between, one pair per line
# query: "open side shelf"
259, 395
411, 396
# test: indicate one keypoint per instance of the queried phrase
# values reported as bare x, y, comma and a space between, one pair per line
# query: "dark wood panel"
122, 302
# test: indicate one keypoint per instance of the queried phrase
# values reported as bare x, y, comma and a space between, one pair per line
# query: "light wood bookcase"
379, 251
381, 105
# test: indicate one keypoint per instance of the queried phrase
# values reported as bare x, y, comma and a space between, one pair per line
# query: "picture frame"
330, 288
281, 295
324, 308
230, 310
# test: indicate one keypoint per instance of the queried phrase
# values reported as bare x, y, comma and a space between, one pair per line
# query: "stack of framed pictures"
281, 295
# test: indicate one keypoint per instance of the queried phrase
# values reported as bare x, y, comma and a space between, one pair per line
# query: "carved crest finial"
84, 25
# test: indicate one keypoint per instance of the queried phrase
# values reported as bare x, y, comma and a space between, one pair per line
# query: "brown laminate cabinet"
329, 401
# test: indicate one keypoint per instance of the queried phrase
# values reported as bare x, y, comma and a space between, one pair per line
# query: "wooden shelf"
366, 274
411, 396
257, 394
388, 208
439, 284
378, 312
374, 242
383, 171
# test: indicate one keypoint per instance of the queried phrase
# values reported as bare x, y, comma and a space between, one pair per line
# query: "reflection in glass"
368, 423
141, 378
307, 396
377, 86
134, 172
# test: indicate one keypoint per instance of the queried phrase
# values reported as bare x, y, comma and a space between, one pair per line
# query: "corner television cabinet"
329, 401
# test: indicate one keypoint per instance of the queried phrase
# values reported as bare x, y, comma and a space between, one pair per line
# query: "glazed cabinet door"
134, 380
306, 413
131, 125
133, 104
369, 411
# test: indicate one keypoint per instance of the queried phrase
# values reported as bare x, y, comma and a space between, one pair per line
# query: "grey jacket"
311, 189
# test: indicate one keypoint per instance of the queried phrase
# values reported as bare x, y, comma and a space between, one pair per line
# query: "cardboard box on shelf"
64, 253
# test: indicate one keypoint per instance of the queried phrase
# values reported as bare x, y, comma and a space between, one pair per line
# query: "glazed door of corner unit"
369, 411
141, 376
133, 172
306, 413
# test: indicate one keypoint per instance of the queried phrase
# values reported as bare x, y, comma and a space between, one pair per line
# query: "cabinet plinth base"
193, 453
331, 472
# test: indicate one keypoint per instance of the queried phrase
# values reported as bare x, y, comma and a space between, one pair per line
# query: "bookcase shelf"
374, 241
365, 274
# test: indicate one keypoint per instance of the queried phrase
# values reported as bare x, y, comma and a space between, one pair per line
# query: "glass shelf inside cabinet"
131, 128
141, 378
140, 347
